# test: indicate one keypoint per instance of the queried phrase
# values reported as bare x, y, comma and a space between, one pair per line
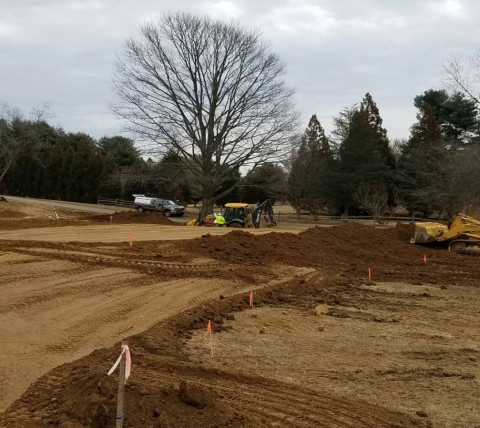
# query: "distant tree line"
358, 170
41, 161
354, 170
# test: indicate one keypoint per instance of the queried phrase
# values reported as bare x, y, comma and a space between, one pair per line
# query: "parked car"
165, 206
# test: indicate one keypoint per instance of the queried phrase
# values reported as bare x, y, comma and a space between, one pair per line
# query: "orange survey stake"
209, 329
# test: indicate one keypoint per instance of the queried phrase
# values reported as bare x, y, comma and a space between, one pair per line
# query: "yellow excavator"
462, 234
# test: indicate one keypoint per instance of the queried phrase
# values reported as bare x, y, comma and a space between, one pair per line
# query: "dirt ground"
58, 304
323, 346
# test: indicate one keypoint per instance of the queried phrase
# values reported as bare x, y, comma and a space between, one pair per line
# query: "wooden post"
121, 390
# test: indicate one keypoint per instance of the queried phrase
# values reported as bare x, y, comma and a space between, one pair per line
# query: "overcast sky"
62, 51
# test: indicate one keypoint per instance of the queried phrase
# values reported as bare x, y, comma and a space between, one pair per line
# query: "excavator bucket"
428, 232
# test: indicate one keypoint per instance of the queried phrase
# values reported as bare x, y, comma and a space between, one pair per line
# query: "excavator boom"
265, 208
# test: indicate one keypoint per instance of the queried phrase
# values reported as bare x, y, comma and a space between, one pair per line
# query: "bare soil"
398, 350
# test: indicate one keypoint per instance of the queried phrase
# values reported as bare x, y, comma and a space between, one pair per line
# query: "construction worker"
219, 220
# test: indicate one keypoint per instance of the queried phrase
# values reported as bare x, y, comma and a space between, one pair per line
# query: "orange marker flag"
131, 238
251, 299
369, 273
449, 248
111, 218
425, 258
209, 329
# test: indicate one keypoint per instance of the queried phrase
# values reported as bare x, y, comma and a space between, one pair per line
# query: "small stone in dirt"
194, 396
262, 330
254, 316
321, 310
444, 287
321, 328
100, 416
421, 413
230, 317
222, 297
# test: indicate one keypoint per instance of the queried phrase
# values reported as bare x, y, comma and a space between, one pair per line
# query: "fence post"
278, 219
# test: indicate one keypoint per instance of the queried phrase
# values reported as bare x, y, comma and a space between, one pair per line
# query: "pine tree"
427, 132
456, 115
423, 166
315, 139
306, 181
374, 120
361, 161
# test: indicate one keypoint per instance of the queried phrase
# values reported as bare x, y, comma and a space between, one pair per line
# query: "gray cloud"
62, 51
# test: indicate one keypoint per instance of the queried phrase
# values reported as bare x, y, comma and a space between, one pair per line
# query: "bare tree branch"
462, 78
211, 91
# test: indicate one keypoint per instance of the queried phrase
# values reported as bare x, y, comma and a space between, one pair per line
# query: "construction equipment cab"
165, 206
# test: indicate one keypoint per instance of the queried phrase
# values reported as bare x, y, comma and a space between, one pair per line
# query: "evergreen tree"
374, 120
424, 166
306, 181
123, 150
456, 115
66, 185
361, 160
52, 171
267, 181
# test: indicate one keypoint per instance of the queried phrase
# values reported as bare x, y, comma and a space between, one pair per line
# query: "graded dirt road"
121, 233
92, 208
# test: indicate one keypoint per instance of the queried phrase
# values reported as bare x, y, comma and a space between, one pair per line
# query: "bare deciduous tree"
13, 142
462, 74
211, 91
373, 199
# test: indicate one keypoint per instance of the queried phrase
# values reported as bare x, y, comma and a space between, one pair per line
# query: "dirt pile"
2, 199
136, 217
80, 219
347, 250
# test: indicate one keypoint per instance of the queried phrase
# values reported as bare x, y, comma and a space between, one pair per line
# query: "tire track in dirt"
284, 405
57, 306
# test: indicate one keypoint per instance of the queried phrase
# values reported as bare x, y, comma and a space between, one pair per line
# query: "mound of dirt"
349, 249
136, 217
403, 231
88, 399
2, 199
12, 214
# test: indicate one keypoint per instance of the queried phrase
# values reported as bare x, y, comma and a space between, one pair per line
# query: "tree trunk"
208, 195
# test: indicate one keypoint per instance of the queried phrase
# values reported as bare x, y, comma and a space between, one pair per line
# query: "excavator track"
468, 248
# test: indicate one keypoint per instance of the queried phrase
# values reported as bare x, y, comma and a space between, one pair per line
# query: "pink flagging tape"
128, 361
